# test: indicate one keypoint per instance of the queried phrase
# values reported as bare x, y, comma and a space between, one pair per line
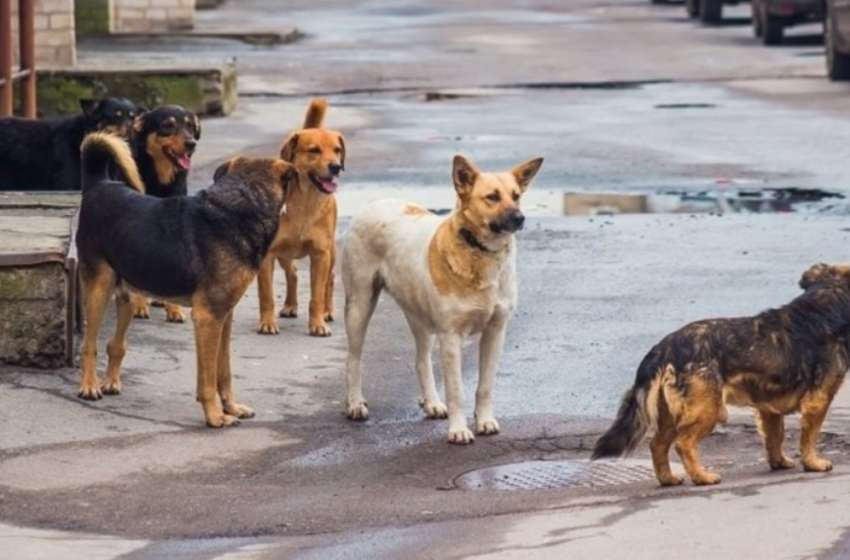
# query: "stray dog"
163, 143
201, 251
44, 155
452, 277
309, 230
781, 361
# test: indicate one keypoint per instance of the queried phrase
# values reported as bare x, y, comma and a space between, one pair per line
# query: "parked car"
771, 17
836, 37
708, 11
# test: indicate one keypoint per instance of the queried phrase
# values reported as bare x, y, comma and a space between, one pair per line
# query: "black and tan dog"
201, 251
786, 360
44, 155
163, 143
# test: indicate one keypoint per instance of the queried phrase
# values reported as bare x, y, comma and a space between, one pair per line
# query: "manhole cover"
545, 475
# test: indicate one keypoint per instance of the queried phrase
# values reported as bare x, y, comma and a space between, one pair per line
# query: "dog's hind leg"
117, 347
361, 297
265, 286
814, 406
660, 444
98, 286
772, 429
290, 304
492, 342
224, 377
208, 333
430, 400
450, 354
696, 412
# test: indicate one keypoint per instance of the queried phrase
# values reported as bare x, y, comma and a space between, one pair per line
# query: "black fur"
44, 155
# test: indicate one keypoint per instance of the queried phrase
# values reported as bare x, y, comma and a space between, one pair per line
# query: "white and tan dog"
452, 277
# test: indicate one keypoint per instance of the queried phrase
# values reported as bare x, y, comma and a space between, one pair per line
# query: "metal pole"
6, 57
27, 36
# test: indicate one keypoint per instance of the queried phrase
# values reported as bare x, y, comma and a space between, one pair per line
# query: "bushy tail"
316, 113
101, 150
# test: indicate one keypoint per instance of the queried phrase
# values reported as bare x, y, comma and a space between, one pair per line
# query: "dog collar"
470, 239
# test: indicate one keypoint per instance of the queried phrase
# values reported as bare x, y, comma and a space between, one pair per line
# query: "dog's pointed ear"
464, 174
89, 106
287, 151
222, 170
814, 275
342, 151
525, 172
197, 131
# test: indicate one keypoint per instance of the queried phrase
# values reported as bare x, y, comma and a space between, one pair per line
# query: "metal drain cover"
546, 475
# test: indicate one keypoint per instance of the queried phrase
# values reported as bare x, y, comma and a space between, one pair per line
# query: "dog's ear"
287, 151
342, 151
89, 106
525, 173
464, 175
814, 275
285, 170
197, 133
222, 170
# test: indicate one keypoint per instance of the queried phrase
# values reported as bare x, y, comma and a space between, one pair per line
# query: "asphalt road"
618, 96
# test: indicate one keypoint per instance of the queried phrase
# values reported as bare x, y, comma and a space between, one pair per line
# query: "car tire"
773, 30
692, 7
710, 11
758, 26
837, 62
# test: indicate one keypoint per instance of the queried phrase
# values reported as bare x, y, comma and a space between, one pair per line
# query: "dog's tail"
638, 411
316, 113
102, 152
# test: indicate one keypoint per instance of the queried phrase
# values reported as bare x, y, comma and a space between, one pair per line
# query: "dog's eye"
515, 196
131, 114
315, 150
119, 114
337, 150
493, 197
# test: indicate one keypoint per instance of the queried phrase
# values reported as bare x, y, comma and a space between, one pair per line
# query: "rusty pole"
6, 57
27, 36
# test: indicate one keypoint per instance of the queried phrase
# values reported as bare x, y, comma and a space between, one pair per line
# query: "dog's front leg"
450, 350
492, 342
224, 377
265, 285
320, 265
208, 331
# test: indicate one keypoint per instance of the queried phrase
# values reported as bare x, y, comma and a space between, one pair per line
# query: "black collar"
470, 239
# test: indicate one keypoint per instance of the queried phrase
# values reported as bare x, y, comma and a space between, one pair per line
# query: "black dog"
202, 251
44, 155
163, 142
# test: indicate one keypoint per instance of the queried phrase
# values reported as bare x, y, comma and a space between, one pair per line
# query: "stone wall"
55, 40
152, 16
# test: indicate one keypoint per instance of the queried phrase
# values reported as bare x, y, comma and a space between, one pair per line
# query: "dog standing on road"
452, 277
201, 251
309, 229
786, 360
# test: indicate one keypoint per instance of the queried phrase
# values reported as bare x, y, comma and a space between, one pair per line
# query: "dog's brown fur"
786, 360
309, 227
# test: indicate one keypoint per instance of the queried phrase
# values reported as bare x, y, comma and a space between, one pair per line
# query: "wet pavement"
620, 97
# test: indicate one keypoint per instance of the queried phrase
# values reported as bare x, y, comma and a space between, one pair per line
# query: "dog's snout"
516, 219
334, 168
190, 145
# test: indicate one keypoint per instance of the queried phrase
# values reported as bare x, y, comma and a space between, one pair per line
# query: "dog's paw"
671, 480
220, 420
111, 388
319, 329
782, 464
486, 426
289, 312
174, 315
359, 411
142, 311
329, 317
817, 465
434, 409
90, 391
706, 478
268, 327
461, 436
238, 410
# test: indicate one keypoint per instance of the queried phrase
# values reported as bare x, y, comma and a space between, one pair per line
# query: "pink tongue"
185, 162
329, 185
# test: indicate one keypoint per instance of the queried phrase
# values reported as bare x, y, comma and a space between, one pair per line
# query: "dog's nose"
190, 145
515, 220
334, 168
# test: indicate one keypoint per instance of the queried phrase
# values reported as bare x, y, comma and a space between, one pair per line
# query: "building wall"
55, 39
146, 16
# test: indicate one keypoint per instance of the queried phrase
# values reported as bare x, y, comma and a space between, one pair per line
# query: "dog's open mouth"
327, 186
183, 161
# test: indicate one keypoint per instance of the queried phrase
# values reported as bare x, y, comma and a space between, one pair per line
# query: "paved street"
618, 96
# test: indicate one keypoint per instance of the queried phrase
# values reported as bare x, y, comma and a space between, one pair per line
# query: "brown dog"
781, 361
309, 227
